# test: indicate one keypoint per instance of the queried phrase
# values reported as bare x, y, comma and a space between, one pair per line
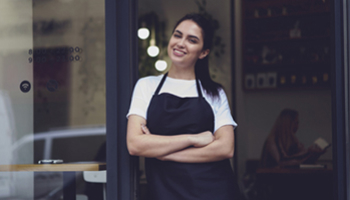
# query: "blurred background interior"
268, 54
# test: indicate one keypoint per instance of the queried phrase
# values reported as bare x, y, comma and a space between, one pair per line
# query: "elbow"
133, 150
228, 153
224, 151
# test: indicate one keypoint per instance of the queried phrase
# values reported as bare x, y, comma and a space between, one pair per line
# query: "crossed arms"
189, 148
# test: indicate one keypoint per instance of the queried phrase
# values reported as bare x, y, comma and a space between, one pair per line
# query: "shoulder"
216, 100
222, 94
150, 79
148, 82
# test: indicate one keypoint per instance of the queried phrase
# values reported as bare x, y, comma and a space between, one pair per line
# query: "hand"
316, 149
162, 158
145, 129
203, 139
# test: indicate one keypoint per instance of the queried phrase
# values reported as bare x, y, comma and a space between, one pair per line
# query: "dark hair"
289, 113
202, 65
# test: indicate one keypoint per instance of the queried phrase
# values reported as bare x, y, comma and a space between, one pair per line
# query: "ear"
204, 53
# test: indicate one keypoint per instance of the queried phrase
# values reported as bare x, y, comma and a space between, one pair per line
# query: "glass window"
283, 93
52, 94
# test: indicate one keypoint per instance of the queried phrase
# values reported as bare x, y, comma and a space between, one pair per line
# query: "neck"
182, 73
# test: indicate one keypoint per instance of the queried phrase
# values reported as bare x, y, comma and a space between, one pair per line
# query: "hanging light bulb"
143, 33
161, 65
153, 50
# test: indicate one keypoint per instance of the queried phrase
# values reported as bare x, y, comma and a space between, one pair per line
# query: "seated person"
282, 148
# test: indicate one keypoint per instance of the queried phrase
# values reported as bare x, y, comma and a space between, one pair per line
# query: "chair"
96, 177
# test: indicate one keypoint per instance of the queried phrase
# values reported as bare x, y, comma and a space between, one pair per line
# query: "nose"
181, 43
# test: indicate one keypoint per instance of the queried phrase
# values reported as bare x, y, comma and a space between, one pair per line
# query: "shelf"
268, 3
300, 14
288, 39
287, 66
300, 62
292, 88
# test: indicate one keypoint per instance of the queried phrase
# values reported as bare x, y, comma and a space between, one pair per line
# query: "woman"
181, 122
282, 147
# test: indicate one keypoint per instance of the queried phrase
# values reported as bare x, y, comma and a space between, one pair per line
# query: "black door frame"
121, 74
340, 95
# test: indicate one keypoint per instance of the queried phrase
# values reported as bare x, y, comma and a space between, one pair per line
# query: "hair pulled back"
202, 65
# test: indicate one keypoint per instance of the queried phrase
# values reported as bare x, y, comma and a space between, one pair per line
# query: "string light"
161, 65
153, 50
143, 33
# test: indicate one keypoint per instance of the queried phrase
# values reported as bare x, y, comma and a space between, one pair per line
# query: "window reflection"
69, 74
283, 59
57, 49
282, 148
16, 113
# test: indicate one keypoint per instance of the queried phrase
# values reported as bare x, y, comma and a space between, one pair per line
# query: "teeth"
179, 51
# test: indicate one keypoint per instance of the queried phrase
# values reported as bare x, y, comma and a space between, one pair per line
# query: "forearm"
141, 142
215, 151
149, 145
300, 155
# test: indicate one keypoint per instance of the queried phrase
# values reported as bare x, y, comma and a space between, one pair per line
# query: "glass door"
16, 94
52, 98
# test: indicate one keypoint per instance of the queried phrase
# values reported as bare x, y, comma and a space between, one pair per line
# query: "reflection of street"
7, 129
56, 180
7, 132
57, 49
82, 145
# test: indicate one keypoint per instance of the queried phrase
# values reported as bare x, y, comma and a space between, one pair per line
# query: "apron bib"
168, 114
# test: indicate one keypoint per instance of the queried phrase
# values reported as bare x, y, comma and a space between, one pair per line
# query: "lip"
178, 52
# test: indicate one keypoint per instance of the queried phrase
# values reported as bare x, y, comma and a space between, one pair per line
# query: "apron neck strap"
198, 89
162, 82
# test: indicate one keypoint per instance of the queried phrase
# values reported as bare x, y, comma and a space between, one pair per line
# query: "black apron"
168, 114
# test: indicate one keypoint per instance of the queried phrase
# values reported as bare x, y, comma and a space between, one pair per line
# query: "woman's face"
295, 125
186, 44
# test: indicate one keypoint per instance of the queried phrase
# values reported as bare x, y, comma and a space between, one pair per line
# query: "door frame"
340, 98
121, 74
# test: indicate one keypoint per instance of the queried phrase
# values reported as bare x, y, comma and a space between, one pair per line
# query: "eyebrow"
191, 36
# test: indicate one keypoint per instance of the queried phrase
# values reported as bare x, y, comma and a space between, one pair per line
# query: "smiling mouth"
179, 52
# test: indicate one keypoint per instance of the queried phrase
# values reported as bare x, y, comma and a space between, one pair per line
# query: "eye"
177, 35
193, 41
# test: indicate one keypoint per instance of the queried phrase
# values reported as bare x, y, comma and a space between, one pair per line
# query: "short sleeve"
139, 100
222, 112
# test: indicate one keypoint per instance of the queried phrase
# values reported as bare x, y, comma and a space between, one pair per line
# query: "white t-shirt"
146, 87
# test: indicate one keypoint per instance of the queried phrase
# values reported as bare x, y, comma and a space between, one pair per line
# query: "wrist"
192, 139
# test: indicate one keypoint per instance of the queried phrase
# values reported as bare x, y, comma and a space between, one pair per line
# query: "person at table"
282, 147
181, 122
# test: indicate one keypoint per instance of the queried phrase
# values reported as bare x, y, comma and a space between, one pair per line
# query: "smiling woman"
181, 122
185, 48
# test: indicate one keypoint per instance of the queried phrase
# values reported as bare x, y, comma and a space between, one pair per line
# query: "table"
68, 170
294, 183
